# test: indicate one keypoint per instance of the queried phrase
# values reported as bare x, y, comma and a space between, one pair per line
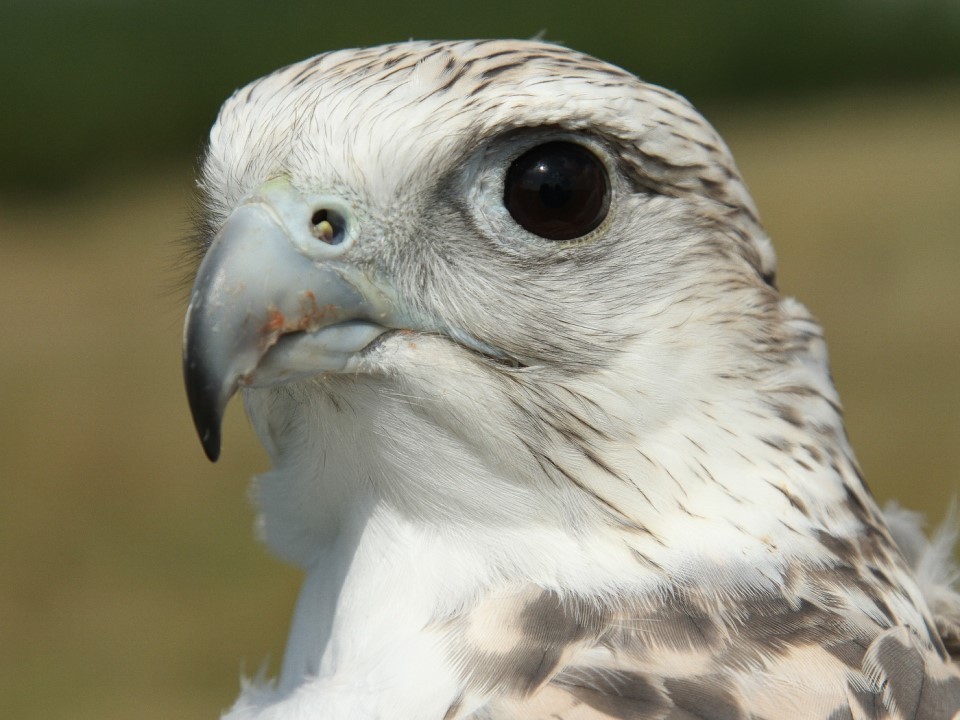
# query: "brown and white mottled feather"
653, 512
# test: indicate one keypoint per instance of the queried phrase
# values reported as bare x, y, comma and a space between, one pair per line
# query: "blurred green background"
132, 585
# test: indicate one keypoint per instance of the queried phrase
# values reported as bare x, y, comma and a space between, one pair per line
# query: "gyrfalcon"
546, 440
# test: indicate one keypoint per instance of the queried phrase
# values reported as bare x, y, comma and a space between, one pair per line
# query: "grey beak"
275, 270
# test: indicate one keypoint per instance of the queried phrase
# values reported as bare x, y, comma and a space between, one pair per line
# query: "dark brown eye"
558, 190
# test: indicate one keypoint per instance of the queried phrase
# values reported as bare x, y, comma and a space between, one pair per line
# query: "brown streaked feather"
683, 657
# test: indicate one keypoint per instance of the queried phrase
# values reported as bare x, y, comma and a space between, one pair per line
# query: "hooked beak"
275, 299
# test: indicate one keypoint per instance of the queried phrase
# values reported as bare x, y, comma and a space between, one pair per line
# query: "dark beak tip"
207, 422
211, 444
207, 406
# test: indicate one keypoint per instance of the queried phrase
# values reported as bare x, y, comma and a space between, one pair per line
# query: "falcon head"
488, 277
506, 321
475, 220
498, 281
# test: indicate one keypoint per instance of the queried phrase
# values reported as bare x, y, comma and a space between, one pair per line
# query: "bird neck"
558, 462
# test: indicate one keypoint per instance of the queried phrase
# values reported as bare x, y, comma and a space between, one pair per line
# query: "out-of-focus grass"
132, 585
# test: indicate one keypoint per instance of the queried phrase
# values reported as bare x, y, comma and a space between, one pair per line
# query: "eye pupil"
558, 190
554, 194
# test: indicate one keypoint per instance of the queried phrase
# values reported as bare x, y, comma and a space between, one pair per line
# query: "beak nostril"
327, 226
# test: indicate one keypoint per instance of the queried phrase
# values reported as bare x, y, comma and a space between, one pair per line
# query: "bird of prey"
545, 438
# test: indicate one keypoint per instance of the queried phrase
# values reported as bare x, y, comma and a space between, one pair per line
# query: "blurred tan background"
131, 584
